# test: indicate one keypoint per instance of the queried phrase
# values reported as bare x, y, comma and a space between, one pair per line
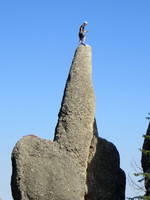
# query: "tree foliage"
145, 176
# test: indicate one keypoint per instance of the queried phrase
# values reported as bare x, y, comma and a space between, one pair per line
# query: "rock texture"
77, 165
146, 160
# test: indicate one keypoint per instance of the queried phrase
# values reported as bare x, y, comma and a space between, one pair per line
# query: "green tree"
145, 173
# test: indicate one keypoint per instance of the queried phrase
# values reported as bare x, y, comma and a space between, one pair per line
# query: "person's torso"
81, 30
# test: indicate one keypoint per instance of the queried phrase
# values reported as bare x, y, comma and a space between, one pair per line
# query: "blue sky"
37, 43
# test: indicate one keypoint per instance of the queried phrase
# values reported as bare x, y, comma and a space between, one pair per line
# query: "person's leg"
81, 38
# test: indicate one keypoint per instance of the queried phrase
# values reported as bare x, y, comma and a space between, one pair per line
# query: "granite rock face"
146, 160
77, 165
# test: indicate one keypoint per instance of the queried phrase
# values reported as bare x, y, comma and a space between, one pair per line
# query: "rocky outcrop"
77, 165
146, 160
105, 179
57, 170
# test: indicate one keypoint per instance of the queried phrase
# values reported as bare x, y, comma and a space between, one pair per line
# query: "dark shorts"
81, 35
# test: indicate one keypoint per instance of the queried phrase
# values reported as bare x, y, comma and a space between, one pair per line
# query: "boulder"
105, 179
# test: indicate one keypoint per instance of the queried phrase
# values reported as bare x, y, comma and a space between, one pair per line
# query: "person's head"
85, 23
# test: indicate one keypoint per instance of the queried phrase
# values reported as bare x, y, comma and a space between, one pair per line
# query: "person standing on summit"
82, 33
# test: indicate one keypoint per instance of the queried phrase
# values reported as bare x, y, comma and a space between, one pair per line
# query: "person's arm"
84, 31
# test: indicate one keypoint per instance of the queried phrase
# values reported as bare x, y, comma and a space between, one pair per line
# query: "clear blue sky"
37, 43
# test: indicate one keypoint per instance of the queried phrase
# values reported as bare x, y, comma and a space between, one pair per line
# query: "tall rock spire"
74, 130
47, 170
77, 165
